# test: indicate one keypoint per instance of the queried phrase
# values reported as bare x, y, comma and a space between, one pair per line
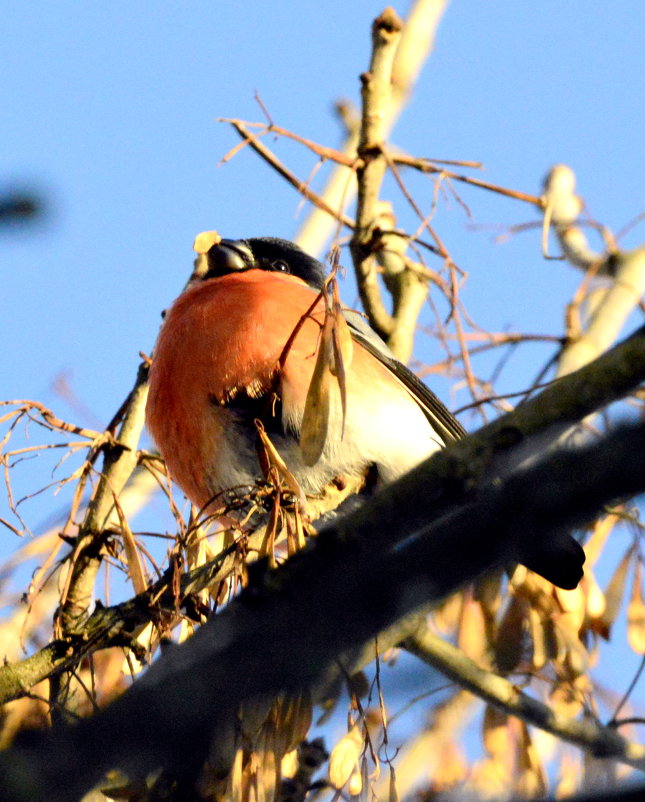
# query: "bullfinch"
240, 344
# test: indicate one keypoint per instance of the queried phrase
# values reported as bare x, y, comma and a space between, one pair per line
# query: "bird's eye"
280, 266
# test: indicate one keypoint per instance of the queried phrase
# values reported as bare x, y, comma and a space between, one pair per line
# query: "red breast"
220, 337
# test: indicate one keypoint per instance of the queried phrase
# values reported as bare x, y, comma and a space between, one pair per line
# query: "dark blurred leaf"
19, 207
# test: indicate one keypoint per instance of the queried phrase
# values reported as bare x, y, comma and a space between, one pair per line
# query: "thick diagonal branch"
290, 625
451, 477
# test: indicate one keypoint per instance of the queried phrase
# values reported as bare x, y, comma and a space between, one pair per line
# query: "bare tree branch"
417, 40
451, 477
365, 572
119, 462
506, 696
625, 268
375, 94
270, 158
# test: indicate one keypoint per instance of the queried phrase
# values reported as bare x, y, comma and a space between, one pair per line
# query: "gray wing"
441, 419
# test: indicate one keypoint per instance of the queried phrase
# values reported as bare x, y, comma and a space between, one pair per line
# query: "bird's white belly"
392, 437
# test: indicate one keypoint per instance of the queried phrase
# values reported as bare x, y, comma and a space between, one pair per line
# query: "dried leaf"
205, 241
236, 778
496, 736
292, 716
343, 349
567, 626
472, 638
365, 784
451, 767
198, 552
343, 343
595, 597
487, 593
576, 661
147, 639
263, 770
519, 576
343, 761
290, 763
568, 777
574, 604
393, 793
342, 334
559, 648
546, 745
538, 636
614, 592
273, 528
315, 420
489, 779
300, 531
338, 369
132, 556
186, 630
532, 779
567, 699
509, 642
539, 592
601, 531
636, 613
253, 716
355, 783
276, 461
24, 714
447, 615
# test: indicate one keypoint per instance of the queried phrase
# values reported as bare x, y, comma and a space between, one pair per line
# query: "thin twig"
277, 165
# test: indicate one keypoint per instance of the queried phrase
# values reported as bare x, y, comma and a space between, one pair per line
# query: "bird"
240, 344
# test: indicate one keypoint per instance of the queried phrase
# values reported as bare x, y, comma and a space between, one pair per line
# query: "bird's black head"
264, 253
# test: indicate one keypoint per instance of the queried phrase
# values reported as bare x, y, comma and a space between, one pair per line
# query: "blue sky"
109, 111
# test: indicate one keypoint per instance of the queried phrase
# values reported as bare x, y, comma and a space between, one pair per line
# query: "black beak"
229, 256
